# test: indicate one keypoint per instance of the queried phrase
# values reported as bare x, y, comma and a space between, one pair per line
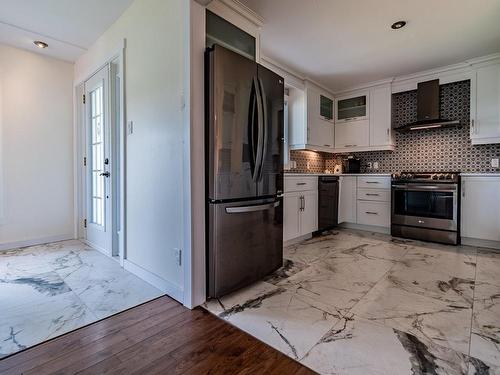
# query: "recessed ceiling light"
398, 25
40, 44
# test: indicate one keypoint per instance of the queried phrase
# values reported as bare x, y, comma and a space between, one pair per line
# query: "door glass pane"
326, 107
352, 107
438, 205
96, 161
225, 34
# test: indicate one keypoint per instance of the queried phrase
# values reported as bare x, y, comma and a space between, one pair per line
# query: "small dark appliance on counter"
328, 202
352, 165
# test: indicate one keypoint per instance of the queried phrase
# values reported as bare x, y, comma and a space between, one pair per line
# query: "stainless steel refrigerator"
244, 170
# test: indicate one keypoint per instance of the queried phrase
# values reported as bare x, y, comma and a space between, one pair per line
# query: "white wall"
155, 71
36, 148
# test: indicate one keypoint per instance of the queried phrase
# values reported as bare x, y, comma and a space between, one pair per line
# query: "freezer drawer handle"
257, 207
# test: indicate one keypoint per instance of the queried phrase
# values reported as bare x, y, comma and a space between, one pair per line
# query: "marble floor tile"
353, 302
485, 339
488, 267
358, 347
49, 290
429, 319
36, 320
282, 320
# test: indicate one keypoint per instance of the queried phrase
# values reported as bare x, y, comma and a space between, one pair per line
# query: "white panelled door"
98, 165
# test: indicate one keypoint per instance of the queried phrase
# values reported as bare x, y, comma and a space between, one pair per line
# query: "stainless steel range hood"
428, 109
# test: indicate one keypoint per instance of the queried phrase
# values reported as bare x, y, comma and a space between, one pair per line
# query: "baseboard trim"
297, 239
366, 228
95, 247
34, 242
481, 243
165, 286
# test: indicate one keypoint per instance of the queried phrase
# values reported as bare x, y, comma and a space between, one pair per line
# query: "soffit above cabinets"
342, 44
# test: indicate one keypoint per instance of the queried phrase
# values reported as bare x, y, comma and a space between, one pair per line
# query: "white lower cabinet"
347, 199
300, 212
291, 216
365, 200
374, 213
481, 208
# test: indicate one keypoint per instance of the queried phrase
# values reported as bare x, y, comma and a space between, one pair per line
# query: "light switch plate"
494, 163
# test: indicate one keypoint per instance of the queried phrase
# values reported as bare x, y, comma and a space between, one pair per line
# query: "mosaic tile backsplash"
430, 150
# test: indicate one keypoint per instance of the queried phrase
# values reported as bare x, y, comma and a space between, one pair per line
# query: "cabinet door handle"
371, 213
350, 145
301, 183
373, 194
372, 182
327, 145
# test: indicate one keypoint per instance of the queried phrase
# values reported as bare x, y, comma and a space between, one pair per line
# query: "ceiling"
70, 27
341, 43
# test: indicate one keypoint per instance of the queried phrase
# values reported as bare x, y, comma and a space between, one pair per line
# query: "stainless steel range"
426, 206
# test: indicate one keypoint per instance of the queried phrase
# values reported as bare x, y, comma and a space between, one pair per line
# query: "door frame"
79, 140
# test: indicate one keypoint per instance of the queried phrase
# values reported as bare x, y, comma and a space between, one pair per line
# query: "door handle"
265, 126
260, 130
371, 213
253, 208
105, 174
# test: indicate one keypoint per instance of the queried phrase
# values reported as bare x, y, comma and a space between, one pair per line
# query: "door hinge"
84, 161
83, 99
85, 223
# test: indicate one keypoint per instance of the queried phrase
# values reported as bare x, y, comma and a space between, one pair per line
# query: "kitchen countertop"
472, 174
336, 174
466, 174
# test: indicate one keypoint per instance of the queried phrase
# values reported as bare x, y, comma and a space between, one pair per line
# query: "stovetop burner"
426, 176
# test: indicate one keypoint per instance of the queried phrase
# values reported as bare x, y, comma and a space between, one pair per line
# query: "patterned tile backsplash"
430, 150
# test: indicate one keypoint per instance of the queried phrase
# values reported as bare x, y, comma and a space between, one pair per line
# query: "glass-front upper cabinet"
221, 32
352, 107
325, 108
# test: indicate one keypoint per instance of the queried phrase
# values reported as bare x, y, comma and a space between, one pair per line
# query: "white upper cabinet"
485, 119
381, 133
352, 134
352, 107
316, 131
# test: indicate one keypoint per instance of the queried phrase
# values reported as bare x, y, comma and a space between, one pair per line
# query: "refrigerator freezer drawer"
245, 243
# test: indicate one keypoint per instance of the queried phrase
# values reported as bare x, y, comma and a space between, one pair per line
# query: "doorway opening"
101, 175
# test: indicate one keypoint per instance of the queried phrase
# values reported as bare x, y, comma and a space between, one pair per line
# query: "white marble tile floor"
52, 289
354, 302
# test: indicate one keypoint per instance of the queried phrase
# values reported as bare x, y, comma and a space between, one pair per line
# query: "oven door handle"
444, 189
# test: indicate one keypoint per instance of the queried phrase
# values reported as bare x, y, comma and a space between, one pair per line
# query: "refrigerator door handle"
257, 207
260, 125
252, 119
265, 128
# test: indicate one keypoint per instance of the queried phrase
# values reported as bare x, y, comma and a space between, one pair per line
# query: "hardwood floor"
158, 337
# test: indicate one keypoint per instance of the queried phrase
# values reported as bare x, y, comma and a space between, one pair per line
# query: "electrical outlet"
178, 256
375, 165
494, 163
130, 127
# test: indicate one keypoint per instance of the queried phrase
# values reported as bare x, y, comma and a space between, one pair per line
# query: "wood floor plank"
51, 349
158, 337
